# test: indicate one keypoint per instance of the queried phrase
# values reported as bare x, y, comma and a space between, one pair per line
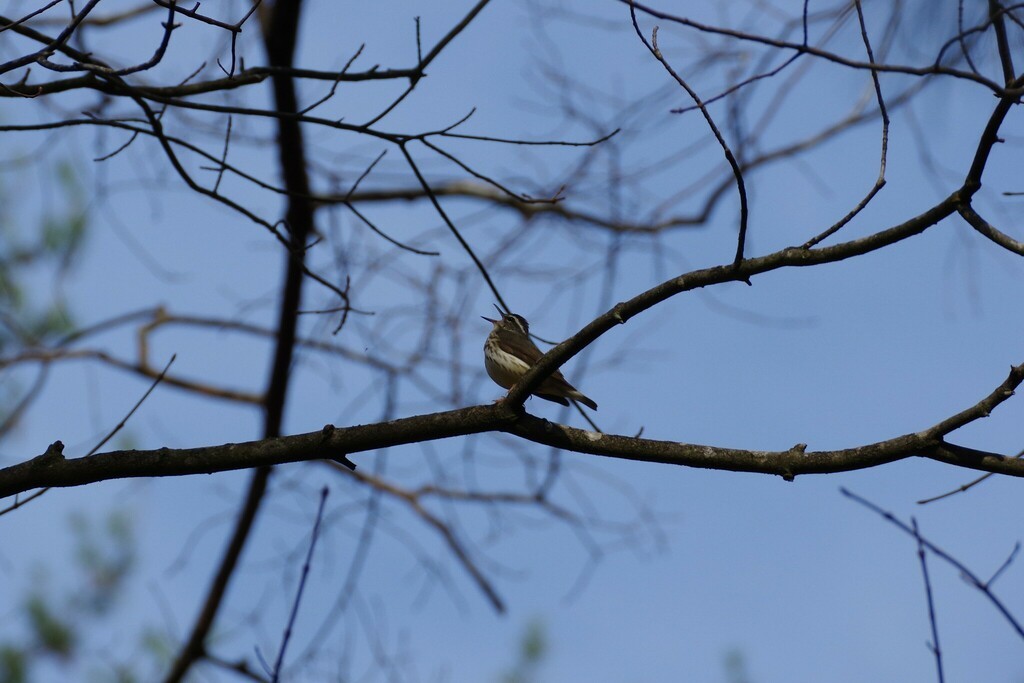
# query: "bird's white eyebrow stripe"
520, 322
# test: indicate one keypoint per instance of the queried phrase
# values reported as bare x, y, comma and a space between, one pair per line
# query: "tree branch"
52, 469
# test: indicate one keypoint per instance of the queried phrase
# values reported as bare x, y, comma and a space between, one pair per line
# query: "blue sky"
804, 583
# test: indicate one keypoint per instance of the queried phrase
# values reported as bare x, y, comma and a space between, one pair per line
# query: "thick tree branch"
328, 443
52, 469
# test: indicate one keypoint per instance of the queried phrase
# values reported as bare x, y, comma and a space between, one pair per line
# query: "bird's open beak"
489, 320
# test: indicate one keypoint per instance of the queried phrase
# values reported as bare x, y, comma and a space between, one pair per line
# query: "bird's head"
511, 322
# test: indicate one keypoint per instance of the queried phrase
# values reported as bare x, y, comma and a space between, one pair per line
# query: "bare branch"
332, 442
741, 187
934, 645
966, 573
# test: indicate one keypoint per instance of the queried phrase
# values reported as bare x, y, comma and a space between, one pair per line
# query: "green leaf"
62, 235
13, 665
54, 322
52, 634
106, 553
535, 643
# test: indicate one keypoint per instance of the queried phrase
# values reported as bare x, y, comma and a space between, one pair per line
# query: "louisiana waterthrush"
509, 353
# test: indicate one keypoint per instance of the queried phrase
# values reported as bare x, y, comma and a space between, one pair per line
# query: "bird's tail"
577, 396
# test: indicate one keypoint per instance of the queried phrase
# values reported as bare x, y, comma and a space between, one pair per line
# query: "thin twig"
222, 166
451, 226
967, 574
419, 71
934, 645
880, 181
741, 188
1006, 563
963, 487
275, 673
120, 425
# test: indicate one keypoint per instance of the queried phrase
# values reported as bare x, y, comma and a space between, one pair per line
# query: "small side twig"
934, 645
275, 673
118, 427
222, 166
451, 226
984, 586
880, 181
741, 187
963, 487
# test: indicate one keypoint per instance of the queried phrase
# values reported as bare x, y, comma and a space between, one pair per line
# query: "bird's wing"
527, 350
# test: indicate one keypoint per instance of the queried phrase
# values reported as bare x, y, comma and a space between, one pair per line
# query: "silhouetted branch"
741, 187
333, 442
934, 645
967, 574
279, 663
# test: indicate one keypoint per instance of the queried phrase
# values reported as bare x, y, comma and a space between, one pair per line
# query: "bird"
509, 353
